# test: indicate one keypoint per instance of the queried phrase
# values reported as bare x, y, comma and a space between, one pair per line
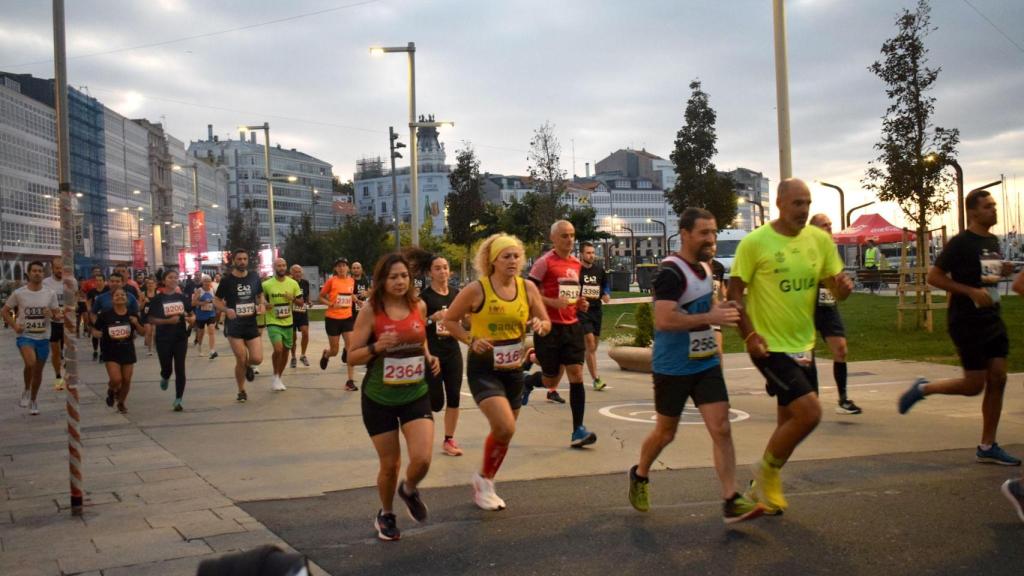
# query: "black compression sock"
577, 402
839, 373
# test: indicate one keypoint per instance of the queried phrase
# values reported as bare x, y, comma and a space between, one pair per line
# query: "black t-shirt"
965, 258
164, 306
242, 294
362, 283
670, 283
304, 287
117, 332
434, 301
592, 284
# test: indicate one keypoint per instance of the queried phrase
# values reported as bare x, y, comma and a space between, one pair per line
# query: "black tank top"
439, 343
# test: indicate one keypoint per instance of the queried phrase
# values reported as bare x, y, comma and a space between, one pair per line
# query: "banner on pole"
138, 253
197, 231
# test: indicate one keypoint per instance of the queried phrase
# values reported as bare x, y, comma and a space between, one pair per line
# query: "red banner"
138, 253
197, 231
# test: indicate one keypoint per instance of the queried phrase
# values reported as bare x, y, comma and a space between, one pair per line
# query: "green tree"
698, 183
302, 245
465, 203
902, 172
362, 239
548, 178
339, 187
584, 220
243, 232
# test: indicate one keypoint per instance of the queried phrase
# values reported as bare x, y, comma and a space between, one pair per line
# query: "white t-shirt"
57, 286
32, 310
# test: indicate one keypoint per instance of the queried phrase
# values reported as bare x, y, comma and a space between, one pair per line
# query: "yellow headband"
500, 243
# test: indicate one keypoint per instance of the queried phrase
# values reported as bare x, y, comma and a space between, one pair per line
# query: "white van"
728, 241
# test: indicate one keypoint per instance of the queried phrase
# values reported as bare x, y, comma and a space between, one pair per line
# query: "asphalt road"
893, 514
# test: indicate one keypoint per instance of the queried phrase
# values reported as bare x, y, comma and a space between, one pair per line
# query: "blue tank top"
681, 353
205, 311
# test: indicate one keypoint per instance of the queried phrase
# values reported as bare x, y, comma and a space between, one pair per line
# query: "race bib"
300, 308
206, 307
442, 330
122, 332
343, 300
703, 344
570, 290
591, 291
508, 356
403, 371
35, 325
282, 310
172, 308
803, 359
245, 308
825, 297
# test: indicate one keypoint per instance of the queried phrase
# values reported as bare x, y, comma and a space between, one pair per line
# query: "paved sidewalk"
146, 511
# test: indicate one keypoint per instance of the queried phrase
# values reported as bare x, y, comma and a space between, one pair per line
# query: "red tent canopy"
870, 226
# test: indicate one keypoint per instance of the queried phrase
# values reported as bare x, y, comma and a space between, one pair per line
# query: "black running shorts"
336, 327
671, 392
381, 419
828, 322
785, 379
245, 330
300, 319
563, 346
57, 332
486, 382
979, 343
446, 387
591, 321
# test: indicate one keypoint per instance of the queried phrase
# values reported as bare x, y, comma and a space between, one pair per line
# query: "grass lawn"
871, 332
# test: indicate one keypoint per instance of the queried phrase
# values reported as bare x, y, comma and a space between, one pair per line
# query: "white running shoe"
25, 397
278, 385
483, 494
34, 410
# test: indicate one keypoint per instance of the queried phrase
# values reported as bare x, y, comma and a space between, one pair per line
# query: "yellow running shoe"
769, 487
58, 384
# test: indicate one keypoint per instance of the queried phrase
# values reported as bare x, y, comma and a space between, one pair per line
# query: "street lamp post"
670, 239
842, 203
632, 249
270, 186
849, 215
960, 220
760, 208
664, 233
393, 145
409, 49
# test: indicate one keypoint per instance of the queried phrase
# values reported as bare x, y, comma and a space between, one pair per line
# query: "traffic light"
395, 145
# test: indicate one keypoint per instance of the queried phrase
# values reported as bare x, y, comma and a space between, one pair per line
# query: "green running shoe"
639, 491
177, 405
739, 508
766, 509
598, 385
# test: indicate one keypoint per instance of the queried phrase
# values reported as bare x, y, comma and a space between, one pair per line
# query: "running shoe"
996, 455
451, 447
177, 405
847, 407
293, 363
738, 508
417, 509
304, 360
250, 374
95, 355
639, 491
34, 409
213, 355
277, 385
582, 437
242, 396
599, 384
26, 397
483, 494
768, 487
163, 383
110, 398
1014, 492
323, 360
255, 371
912, 396
527, 389
554, 396
149, 352
58, 384
387, 526
751, 494
121, 408
351, 386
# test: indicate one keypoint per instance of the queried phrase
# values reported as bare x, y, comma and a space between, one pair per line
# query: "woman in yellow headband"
500, 306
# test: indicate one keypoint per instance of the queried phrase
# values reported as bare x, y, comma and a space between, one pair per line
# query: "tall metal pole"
67, 239
414, 203
394, 189
960, 218
782, 88
270, 188
842, 203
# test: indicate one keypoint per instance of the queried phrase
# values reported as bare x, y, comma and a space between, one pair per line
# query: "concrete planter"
632, 358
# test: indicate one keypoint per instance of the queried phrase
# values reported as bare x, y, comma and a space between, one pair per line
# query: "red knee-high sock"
494, 454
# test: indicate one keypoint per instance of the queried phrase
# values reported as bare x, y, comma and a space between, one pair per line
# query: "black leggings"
173, 351
446, 388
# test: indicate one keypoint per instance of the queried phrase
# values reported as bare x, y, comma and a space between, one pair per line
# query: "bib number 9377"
401, 371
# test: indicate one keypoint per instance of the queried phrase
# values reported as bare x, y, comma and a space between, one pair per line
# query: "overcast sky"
607, 74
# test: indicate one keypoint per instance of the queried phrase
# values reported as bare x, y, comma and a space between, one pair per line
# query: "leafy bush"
644, 326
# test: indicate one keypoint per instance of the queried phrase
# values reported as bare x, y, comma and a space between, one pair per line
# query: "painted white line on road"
691, 415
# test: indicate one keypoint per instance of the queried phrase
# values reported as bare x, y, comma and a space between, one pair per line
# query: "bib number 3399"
401, 371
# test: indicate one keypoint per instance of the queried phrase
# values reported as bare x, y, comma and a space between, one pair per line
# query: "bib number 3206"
401, 371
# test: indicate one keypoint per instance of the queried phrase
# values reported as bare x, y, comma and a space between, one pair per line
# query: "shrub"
644, 326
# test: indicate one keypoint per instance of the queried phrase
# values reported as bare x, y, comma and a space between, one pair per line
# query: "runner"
148, 293
362, 285
99, 285
557, 274
171, 313
970, 268
217, 322
594, 285
300, 315
116, 328
446, 387
240, 298
337, 294
829, 324
202, 304
82, 308
129, 285
780, 266
36, 305
391, 341
496, 354
55, 283
282, 293
686, 365
103, 300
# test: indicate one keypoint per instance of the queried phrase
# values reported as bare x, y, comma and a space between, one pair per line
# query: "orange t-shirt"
340, 292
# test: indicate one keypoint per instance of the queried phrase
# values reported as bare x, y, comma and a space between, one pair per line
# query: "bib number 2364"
401, 371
